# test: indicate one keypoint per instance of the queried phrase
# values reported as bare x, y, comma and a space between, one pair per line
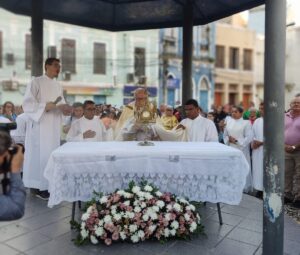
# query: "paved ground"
44, 231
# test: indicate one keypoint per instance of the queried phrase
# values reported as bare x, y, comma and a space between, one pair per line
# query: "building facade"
235, 47
95, 64
202, 68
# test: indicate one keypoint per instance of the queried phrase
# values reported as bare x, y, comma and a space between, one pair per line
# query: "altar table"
210, 172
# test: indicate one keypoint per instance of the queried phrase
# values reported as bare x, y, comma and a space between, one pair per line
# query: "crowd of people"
48, 121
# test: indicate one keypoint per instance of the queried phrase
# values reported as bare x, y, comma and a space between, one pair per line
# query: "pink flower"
116, 198
115, 236
129, 208
107, 241
173, 216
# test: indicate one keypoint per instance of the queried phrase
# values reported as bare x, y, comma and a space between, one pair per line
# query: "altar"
200, 171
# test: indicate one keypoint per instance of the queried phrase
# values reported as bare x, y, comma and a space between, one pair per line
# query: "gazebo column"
37, 38
187, 55
273, 211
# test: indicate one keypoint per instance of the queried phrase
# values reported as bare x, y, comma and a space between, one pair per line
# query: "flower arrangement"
136, 214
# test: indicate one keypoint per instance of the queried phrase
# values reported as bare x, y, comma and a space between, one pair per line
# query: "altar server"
258, 150
88, 128
238, 134
197, 128
44, 105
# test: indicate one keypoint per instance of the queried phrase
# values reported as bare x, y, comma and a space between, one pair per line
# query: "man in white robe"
89, 128
198, 128
258, 151
44, 104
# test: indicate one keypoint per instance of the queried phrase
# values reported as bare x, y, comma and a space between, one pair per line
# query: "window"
139, 61
0, 49
68, 55
220, 56
51, 52
99, 58
28, 51
10, 59
234, 58
247, 59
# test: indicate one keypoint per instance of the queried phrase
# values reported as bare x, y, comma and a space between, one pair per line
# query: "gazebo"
121, 15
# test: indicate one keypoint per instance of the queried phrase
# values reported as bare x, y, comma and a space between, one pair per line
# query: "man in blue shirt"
12, 203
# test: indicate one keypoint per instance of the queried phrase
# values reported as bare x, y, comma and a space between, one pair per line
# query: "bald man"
126, 123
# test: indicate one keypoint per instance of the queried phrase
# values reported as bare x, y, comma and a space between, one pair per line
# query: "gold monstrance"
145, 116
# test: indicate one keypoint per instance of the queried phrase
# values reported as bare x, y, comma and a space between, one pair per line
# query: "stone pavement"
45, 231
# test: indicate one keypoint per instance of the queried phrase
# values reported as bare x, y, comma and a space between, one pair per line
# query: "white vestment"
18, 135
200, 130
42, 130
241, 130
78, 127
258, 154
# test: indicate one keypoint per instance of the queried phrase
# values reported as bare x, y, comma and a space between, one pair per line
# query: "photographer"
12, 201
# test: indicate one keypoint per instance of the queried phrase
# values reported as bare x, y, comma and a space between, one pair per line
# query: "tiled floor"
45, 231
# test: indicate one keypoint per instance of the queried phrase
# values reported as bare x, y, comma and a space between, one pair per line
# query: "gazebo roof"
121, 15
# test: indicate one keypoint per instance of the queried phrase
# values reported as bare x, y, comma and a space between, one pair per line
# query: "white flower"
177, 207
140, 194
121, 192
93, 239
100, 222
129, 215
182, 200
117, 216
133, 228
85, 216
166, 232
152, 228
82, 225
127, 202
173, 232
190, 207
134, 238
107, 219
158, 193
187, 217
136, 189
113, 211
84, 233
175, 224
155, 208
168, 216
169, 207
145, 217
128, 195
141, 234
143, 204
137, 209
160, 203
198, 218
148, 188
153, 216
193, 226
99, 231
89, 210
148, 196
136, 202
122, 235
113, 207
103, 200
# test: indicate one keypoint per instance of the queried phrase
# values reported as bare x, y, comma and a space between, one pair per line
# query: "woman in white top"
238, 134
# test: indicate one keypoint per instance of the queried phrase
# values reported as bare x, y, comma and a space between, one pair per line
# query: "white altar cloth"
199, 171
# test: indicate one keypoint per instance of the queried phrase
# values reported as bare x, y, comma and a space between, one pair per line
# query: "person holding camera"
12, 201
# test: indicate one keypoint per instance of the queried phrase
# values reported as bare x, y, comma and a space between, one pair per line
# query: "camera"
6, 145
